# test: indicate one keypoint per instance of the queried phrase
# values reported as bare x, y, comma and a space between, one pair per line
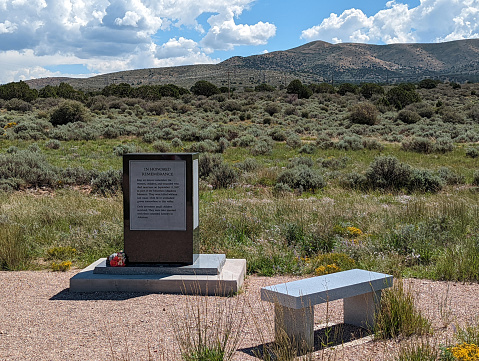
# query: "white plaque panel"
158, 195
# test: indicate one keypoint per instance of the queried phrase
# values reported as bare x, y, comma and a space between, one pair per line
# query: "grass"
35, 225
398, 315
209, 330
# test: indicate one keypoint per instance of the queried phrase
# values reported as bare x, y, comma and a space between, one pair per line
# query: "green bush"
272, 108
69, 111
53, 144
388, 173
443, 145
30, 166
367, 90
293, 140
302, 178
207, 164
352, 142
297, 87
107, 183
364, 113
475, 178
203, 87
161, 146
423, 180
223, 176
418, 144
18, 104
123, 149
347, 88
472, 152
401, 96
450, 177
408, 116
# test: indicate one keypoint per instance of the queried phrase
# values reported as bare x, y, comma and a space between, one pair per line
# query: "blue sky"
41, 38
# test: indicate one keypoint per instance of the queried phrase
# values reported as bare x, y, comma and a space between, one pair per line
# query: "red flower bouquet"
116, 260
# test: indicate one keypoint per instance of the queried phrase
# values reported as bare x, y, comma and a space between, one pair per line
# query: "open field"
298, 187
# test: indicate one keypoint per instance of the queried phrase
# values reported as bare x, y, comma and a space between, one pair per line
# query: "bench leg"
296, 324
360, 310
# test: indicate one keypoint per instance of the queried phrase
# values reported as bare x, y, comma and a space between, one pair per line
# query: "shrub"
177, 143
307, 148
443, 145
353, 142
69, 111
354, 181
203, 87
161, 146
30, 166
293, 140
428, 83
278, 134
347, 88
261, 147
302, 178
324, 142
223, 176
424, 180
18, 104
472, 152
367, 90
207, 164
387, 172
401, 96
77, 176
107, 183
123, 149
301, 161
418, 144
272, 108
297, 87
222, 145
408, 116
449, 176
364, 113
475, 178
53, 144
248, 165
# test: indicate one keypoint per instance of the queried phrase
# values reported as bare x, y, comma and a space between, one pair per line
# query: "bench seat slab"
327, 288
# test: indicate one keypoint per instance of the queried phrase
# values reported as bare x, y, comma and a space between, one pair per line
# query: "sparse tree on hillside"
367, 90
296, 87
203, 87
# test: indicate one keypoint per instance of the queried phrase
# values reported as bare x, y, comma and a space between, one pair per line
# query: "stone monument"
160, 196
161, 234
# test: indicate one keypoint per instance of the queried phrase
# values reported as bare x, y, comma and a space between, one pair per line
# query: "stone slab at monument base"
228, 281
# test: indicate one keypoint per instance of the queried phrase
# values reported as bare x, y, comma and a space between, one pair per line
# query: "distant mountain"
317, 61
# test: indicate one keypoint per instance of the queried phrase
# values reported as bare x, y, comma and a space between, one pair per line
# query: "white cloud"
111, 35
225, 35
431, 21
7, 27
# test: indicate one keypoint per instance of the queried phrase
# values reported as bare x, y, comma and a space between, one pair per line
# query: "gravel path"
41, 320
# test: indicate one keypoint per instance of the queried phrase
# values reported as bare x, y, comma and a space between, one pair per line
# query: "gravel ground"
41, 320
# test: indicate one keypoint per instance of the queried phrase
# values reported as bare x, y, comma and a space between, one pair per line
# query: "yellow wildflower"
465, 352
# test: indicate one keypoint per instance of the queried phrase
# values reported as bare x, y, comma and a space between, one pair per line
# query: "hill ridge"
317, 61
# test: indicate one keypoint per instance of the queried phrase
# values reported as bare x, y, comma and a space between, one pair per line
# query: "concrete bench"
294, 301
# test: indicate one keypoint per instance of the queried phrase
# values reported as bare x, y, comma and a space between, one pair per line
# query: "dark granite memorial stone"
160, 197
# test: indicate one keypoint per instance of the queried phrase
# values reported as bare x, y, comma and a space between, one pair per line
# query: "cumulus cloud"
432, 20
112, 35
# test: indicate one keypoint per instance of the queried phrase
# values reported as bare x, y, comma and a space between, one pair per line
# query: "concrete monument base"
228, 281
